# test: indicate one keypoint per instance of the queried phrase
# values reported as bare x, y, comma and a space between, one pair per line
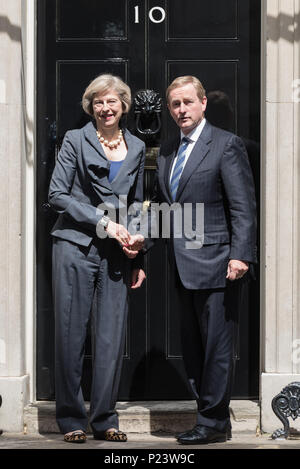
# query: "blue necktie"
178, 167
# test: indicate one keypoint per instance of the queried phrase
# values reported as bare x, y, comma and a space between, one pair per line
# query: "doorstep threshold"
147, 416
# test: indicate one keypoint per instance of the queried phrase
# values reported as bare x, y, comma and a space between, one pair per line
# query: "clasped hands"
131, 244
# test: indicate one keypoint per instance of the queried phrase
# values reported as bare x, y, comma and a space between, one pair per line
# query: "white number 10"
151, 17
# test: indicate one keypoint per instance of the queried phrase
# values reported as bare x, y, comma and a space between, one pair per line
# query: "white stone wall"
13, 379
280, 306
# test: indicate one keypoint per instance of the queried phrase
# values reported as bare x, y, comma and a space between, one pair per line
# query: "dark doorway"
147, 43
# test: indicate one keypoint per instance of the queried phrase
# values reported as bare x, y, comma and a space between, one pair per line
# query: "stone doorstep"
148, 416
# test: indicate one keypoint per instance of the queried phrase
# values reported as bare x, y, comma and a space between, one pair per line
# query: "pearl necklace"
113, 143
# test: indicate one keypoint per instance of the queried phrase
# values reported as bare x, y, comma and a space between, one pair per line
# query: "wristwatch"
104, 221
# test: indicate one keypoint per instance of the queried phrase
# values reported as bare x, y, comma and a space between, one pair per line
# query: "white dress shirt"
192, 137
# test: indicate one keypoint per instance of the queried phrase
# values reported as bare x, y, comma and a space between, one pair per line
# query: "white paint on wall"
2, 352
2, 91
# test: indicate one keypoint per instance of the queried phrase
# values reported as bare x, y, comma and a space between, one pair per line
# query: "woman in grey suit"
98, 174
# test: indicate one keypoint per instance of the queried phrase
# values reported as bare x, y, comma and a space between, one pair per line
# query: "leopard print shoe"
115, 435
78, 436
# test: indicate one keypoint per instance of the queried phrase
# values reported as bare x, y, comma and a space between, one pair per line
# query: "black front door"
147, 43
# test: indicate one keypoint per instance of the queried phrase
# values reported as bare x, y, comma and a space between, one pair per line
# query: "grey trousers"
209, 321
96, 275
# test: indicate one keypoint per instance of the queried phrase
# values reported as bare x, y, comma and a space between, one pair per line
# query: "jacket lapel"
199, 152
98, 166
89, 131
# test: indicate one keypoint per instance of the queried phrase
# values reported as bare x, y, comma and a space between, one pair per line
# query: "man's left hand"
236, 269
137, 278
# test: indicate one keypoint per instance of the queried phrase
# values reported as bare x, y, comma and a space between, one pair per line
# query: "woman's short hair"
185, 80
102, 84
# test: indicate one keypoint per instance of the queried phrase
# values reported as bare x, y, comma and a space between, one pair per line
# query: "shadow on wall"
282, 27
12, 30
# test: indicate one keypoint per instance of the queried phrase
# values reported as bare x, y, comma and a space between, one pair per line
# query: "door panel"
70, 90
212, 20
147, 43
85, 21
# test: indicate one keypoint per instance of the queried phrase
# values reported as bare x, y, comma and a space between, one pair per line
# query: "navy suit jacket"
218, 175
80, 183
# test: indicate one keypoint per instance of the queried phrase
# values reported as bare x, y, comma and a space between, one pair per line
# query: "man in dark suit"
207, 165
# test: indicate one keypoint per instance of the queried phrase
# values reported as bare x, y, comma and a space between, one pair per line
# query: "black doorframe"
47, 132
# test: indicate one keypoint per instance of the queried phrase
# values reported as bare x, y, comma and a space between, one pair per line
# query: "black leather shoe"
201, 435
182, 434
188, 432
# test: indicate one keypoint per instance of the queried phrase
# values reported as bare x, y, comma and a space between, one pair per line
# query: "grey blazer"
80, 183
218, 175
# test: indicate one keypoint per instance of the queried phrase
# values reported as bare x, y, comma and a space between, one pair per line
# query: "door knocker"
147, 110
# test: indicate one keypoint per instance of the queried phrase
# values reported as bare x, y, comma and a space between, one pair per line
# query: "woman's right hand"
119, 232
135, 245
